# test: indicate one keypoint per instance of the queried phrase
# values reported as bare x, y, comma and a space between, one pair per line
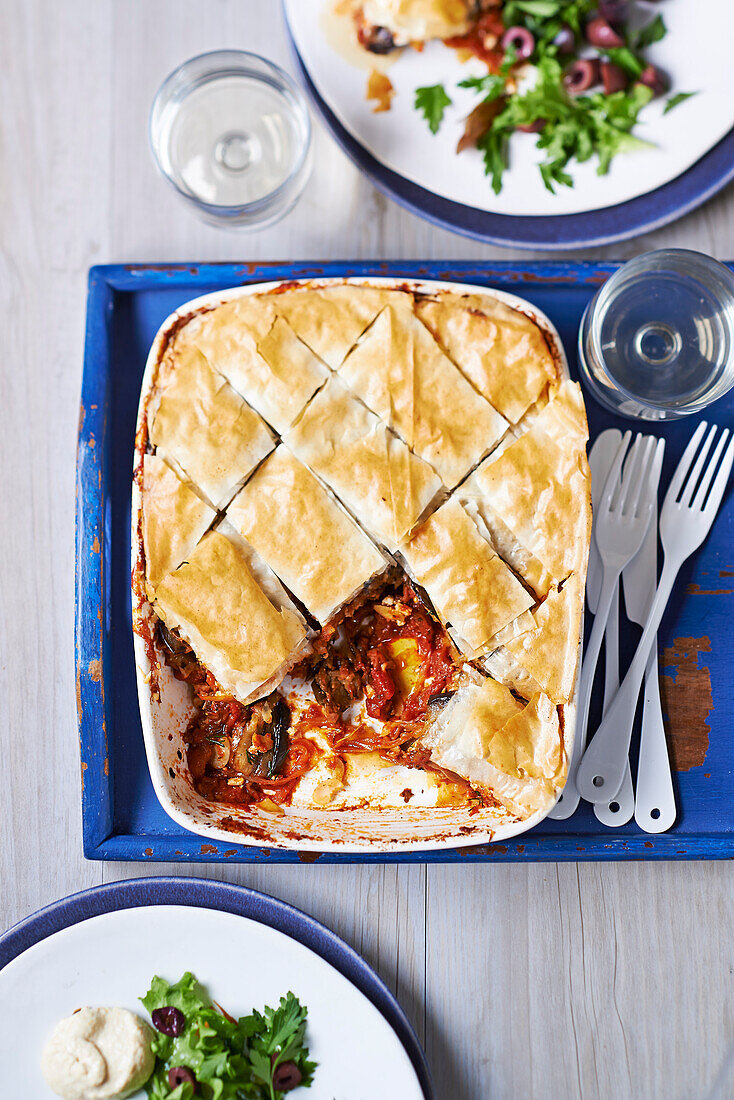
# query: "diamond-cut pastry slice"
544, 654
174, 519
562, 417
400, 372
534, 498
234, 614
204, 429
331, 320
304, 535
471, 588
512, 752
219, 329
384, 485
268, 365
502, 352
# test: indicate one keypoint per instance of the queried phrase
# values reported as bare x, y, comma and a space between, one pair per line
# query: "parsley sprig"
576, 128
545, 18
432, 101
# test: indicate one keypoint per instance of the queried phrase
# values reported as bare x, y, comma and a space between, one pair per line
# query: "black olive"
169, 1020
601, 33
654, 79
582, 75
565, 40
287, 1076
381, 40
613, 78
177, 1075
521, 39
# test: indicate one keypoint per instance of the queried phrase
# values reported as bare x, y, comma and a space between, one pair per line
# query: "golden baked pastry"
364, 525
384, 25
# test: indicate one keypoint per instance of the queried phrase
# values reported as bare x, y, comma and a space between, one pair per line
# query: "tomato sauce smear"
483, 40
433, 671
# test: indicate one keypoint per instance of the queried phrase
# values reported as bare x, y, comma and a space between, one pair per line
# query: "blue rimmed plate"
103, 946
693, 156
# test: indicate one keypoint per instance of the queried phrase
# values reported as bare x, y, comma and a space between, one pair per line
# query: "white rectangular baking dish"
164, 717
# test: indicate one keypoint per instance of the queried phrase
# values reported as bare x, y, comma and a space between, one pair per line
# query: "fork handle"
602, 768
618, 810
655, 799
569, 798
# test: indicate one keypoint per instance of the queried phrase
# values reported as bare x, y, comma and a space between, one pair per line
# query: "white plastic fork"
621, 522
601, 457
619, 809
685, 520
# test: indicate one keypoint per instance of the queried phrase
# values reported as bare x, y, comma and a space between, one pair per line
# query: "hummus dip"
98, 1054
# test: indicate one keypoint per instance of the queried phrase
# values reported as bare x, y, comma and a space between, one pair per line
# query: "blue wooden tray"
122, 819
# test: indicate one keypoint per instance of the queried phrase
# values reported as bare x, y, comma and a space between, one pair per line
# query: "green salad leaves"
569, 127
575, 127
432, 101
230, 1059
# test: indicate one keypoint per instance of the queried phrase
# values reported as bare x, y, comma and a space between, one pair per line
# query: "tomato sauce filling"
386, 651
483, 40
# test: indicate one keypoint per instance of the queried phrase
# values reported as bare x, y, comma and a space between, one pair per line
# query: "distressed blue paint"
122, 817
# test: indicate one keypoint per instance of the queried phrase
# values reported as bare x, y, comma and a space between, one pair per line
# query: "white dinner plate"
111, 958
696, 52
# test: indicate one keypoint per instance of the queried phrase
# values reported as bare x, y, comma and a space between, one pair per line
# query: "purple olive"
169, 1020
380, 40
565, 40
521, 39
287, 1076
602, 34
582, 75
178, 1075
613, 78
533, 127
654, 79
614, 11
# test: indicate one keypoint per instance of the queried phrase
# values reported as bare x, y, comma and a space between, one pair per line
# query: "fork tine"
613, 477
643, 493
634, 474
692, 481
657, 468
717, 489
710, 470
650, 497
628, 473
685, 464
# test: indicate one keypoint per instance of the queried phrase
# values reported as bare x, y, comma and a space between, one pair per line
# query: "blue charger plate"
593, 228
122, 819
224, 897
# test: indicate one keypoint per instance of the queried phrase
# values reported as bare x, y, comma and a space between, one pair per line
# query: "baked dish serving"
385, 25
361, 517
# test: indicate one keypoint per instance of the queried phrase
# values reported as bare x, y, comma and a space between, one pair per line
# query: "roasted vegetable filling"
385, 651
391, 651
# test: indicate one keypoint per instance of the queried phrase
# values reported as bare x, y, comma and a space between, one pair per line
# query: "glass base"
611, 398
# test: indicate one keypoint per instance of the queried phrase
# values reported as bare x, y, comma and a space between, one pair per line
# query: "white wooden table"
535, 981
